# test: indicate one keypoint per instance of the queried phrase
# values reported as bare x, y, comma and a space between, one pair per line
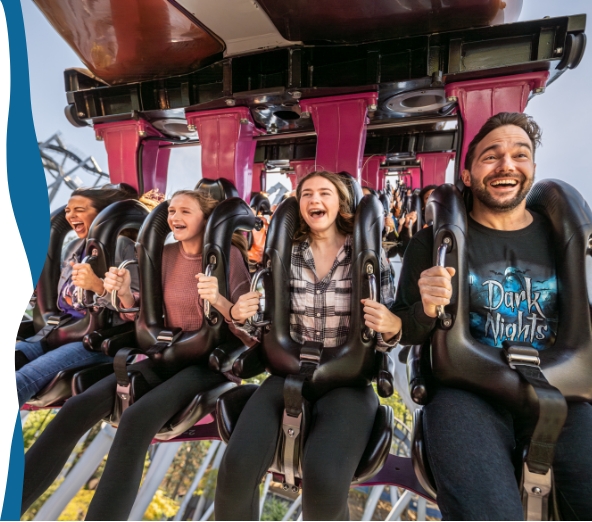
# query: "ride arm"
387, 298
416, 325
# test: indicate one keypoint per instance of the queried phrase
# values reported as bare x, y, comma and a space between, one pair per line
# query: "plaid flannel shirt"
321, 308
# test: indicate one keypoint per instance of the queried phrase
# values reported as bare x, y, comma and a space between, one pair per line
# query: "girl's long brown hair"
207, 204
345, 217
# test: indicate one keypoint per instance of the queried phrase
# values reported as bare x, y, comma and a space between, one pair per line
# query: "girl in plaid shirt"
320, 311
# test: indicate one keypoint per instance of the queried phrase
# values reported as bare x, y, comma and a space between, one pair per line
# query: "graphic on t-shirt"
513, 306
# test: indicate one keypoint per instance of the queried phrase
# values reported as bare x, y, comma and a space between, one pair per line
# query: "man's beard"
481, 192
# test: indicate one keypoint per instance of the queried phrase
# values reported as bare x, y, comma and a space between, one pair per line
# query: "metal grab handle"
254, 283
442, 249
369, 333
125, 264
80, 292
207, 306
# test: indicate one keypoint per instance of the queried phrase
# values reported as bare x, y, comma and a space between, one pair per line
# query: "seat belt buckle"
310, 354
59, 320
164, 340
536, 489
123, 392
169, 336
292, 425
521, 353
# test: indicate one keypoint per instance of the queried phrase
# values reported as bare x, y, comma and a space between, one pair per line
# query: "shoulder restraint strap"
310, 358
537, 479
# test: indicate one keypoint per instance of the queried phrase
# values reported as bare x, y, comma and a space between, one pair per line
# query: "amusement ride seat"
220, 189
416, 206
56, 328
172, 347
260, 203
256, 238
310, 366
528, 382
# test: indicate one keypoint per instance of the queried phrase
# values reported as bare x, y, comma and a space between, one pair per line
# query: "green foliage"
207, 485
257, 379
274, 508
35, 424
36, 506
161, 507
78, 506
399, 409
184, 467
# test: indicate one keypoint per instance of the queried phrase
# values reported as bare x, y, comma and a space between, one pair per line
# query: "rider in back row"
471, 438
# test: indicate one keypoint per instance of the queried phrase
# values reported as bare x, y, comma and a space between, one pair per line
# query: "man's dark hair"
525, 122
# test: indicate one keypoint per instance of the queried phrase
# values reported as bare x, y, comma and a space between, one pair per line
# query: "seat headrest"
124, 187
220, 189
385, 202
260, 203
355, 190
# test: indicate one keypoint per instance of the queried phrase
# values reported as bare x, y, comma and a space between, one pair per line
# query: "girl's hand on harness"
381, 319
245, 307
118, 280
207, 287
84, 277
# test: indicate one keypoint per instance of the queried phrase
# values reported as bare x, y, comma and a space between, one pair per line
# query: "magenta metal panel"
340, 124
301, 169
122, 140
227, 145
372, 174
256, 183
480, 99
433, 167
414, 177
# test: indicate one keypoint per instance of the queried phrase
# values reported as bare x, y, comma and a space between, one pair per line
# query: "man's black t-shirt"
512, 285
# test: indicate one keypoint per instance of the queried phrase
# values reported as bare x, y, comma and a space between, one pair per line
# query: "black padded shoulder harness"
101, 244
180, 349
459, 360
527, 381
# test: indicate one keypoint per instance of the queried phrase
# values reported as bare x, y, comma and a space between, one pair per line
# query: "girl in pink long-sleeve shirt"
184, 287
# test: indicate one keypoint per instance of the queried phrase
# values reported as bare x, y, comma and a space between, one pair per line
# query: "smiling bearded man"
471, 440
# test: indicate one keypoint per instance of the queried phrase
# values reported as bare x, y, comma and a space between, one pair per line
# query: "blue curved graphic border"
28, 195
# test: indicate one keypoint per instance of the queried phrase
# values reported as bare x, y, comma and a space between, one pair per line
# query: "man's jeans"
43, 367
471, 443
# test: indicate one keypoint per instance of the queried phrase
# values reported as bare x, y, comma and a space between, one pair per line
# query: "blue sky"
561, 111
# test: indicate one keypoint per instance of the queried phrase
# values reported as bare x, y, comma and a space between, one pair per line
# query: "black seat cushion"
418, 455
231, 404
201, 405
385, 381
26, 329
229, 407
84, 379
58, 389
249, 363
379, 445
